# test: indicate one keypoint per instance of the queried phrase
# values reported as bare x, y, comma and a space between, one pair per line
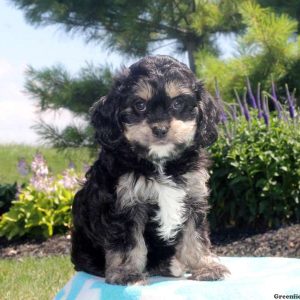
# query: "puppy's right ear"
105, 113
105, 120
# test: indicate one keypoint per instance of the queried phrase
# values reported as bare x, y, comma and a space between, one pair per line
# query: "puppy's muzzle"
160, 131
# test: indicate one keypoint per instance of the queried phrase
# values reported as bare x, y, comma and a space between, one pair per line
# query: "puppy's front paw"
123, 277
209, 272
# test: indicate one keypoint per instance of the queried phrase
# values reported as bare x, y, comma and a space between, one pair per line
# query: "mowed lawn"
57, 160
33, 278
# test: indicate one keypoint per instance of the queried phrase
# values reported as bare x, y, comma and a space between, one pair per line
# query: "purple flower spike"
250, 93
246, 110
217, 89
223, 117
292, 112
71, 165
69, 179
39, 166
23, 167
291, 102
266, 118
259, 115
45, 184
275, 100
265, 113
274, 91
232, 112
239, 102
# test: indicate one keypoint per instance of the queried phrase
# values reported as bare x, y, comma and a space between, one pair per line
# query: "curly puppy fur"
143, 207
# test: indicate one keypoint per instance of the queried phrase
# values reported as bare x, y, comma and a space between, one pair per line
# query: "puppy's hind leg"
85, 255
126, 267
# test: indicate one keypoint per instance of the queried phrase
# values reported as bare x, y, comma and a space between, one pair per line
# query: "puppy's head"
157, 107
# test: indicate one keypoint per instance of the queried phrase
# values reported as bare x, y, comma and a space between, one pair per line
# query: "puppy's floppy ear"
105, 119
105, 113
209, 116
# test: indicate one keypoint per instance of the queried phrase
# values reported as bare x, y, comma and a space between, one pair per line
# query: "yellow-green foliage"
214, 15
267, 49
38, 213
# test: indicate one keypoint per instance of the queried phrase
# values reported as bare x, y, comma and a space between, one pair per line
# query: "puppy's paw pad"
210, 272
127, 279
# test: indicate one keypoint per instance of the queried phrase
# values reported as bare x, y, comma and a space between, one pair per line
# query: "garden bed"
283, 242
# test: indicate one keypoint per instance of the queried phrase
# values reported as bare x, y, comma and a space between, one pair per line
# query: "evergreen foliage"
55, 88
268, 50
267, 47
134, 27
290, 7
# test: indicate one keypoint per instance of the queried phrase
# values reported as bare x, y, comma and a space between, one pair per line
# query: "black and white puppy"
143, 206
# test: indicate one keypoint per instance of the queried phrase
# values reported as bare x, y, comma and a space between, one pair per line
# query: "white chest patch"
164, 192
161, 151
171, 209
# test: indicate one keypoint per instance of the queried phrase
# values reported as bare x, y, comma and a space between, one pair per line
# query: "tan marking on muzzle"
140, 132
182, 131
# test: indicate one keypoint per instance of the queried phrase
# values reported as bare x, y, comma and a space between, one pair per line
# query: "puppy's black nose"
160, 131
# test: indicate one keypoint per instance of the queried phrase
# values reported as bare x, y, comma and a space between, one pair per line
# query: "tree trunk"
191, 48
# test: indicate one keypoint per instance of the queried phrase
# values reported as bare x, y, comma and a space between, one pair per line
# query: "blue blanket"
251, 278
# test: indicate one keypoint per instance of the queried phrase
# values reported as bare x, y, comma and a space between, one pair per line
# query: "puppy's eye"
177, 104
140, 105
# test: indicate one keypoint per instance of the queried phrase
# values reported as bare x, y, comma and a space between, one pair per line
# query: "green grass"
57, 160
34, 278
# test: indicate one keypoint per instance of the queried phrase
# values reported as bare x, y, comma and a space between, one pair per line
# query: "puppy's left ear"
208, 118
105, 119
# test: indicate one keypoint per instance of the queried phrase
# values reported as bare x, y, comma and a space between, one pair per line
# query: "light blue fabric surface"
253, 278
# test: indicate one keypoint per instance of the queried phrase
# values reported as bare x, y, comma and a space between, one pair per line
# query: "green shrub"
7, 194
44, 206
38, 213
256, 174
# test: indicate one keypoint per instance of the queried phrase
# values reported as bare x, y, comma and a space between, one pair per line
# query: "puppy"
143, 206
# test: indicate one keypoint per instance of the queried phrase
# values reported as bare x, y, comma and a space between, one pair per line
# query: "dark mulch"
283, 242
57, 245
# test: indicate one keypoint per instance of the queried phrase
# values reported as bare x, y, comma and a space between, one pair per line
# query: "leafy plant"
256, 173
38, 214
44, 206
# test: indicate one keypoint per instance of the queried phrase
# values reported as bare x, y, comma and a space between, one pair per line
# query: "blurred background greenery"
257, 86
264, 36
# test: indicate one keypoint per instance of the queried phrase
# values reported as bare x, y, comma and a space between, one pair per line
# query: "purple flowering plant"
23, 168
255, 180
253, 108
43, 207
